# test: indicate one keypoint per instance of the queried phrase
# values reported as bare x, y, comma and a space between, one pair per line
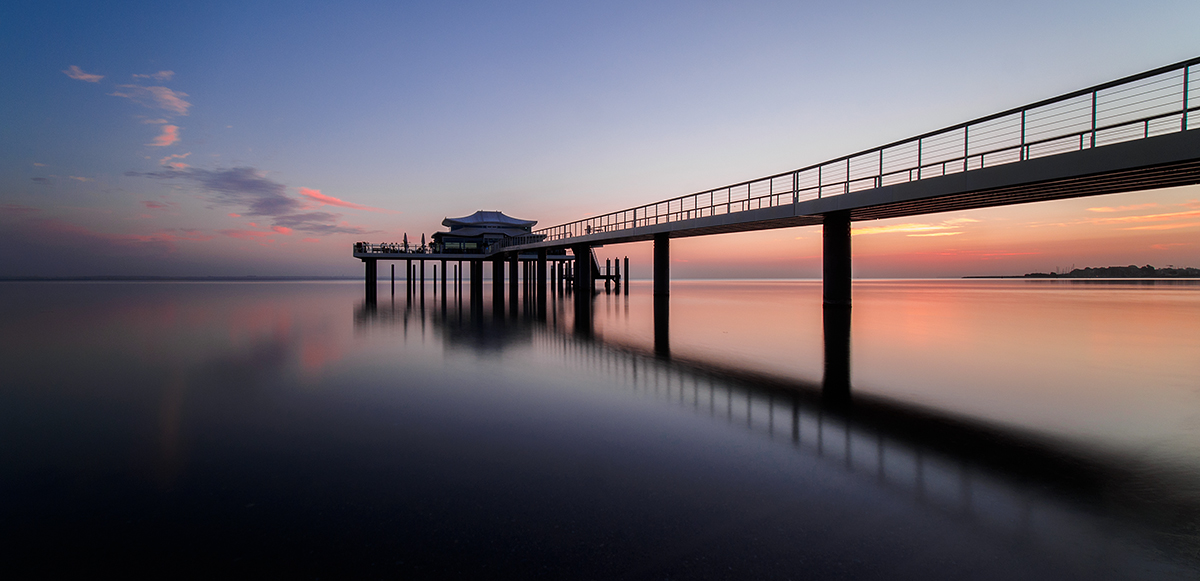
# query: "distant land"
1130, 271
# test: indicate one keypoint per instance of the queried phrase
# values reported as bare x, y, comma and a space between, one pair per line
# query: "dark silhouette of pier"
1131, 134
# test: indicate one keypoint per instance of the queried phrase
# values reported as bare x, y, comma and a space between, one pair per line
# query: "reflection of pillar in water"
662, 325
835, 388
393, 280
584, 302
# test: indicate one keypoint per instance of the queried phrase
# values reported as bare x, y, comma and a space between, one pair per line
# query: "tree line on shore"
1131, 271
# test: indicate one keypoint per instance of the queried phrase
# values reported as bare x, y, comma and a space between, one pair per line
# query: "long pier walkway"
1131, 134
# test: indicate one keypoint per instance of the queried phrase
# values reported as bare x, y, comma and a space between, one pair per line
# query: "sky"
260, 138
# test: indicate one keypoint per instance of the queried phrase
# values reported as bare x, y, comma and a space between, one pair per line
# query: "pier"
1131, 134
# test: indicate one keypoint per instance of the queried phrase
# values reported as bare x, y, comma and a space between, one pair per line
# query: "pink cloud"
159, 76
76, 73
282, 230
311, 240
323, 200
154, 205
155, 97
166, 161
169, 136
244, 234
232, 215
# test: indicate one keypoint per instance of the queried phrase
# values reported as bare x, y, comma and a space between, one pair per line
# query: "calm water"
993, 430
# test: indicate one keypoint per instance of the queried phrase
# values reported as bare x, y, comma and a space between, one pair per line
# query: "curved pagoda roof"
484, 218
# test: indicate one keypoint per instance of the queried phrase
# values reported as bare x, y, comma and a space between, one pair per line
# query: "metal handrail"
1083, 119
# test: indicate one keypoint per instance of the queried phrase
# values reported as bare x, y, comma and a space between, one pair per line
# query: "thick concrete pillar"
372, 282
836, 275
583, 268
662, 265
498, 286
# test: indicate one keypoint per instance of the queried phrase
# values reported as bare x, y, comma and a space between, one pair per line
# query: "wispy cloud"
40, 180
17, 210
932, 234
245, 234
155, 97
282, 230
159, 121
166, 161
169, 136
246, 187
151, 204
77, 73
80, 178
1163, 226
159, 76
1106, 209
324, 200
916, 229
36, 164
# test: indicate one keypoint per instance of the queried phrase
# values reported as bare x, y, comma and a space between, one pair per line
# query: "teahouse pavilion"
473, 234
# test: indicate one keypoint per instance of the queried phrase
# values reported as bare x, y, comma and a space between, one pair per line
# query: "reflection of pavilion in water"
1049, 495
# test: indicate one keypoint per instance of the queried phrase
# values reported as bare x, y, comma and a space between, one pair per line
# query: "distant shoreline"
1109, 272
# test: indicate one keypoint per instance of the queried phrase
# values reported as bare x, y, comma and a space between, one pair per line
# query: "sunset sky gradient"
259, 138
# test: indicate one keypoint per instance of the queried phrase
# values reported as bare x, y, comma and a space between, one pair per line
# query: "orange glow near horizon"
1153, 227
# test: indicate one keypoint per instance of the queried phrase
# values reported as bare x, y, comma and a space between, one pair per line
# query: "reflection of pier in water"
1030, 489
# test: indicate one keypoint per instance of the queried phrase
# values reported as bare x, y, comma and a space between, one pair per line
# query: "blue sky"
405, 113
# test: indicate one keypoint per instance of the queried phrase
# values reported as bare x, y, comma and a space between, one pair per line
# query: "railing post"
1022, 152
1183, 123
1093, 144
966, 146
920, 146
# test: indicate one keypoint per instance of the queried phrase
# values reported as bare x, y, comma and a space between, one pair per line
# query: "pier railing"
1156, 102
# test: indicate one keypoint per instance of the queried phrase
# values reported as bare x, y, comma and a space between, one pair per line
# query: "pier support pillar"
662, 265
443, 280
372, 281
583, 268
498, 286
539, 293
626, 279
514, 269
836, 274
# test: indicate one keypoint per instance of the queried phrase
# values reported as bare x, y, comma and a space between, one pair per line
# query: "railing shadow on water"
1033, 489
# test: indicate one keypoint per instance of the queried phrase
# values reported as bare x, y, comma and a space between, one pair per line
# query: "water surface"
993, 430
